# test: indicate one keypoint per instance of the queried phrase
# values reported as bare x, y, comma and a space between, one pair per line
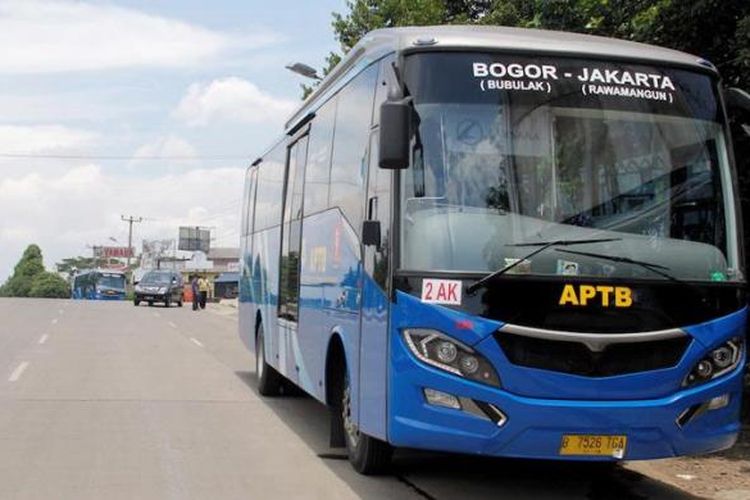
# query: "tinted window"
290, 263
295, 178
249, 203
319, 158
379, 208
270, 189
157, 277
349, 164
386, 80
112, 280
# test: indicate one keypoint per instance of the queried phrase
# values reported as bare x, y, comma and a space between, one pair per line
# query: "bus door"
289, 268
375, 302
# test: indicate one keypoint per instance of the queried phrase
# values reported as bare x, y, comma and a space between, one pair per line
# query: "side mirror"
395, 133
371, 233
737, 98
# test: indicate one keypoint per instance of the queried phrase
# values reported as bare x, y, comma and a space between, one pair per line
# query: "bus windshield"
111, 280
511, 152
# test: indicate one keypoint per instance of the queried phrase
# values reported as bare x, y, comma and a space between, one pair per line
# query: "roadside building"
218, 261
226, 285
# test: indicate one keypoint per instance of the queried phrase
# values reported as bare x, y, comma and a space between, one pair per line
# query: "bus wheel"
167, 301
368, 455
179, 303
136, 302
269, 380
150, 303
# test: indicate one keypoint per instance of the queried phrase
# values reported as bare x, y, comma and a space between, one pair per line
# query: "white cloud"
179, 155
81, 206
44, 36
169, 146
43, 138
232, 99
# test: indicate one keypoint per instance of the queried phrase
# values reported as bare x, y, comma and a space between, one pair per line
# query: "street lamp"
304, 70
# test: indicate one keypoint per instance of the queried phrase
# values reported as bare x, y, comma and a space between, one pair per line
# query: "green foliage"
718, 30
29, 278
67, 265
30, 265
49, 285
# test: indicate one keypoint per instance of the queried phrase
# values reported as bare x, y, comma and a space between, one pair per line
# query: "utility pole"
130, 220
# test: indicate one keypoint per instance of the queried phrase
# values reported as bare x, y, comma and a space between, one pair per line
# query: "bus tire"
167, 301
150, 303
179, 303
269, 380
368, 455
136, 302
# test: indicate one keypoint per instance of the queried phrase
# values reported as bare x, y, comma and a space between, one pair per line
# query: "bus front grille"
577, 358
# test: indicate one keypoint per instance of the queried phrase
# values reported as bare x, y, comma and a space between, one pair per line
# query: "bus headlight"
438, 350
716, 363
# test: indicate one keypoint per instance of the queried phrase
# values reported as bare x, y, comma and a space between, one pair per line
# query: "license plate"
593, 445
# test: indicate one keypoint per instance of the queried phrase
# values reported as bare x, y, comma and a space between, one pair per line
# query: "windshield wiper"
662, 271
650, 266
543, 245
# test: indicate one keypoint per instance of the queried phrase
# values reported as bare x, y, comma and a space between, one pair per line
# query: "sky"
143, 108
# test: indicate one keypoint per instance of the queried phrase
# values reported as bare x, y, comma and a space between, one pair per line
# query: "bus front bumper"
534, 428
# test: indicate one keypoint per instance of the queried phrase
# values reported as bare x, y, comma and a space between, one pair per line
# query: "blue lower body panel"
534, 427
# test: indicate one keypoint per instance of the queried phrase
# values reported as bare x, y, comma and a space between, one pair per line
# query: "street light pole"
130, 220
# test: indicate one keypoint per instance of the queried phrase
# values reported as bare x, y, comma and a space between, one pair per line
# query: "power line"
130, 220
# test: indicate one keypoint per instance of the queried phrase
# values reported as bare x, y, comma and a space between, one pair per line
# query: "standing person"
203, 287
196, 292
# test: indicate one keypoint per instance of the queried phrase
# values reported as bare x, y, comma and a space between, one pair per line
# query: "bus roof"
99, 270
380, 42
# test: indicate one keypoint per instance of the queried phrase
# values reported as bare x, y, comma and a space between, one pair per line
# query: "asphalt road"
105, 401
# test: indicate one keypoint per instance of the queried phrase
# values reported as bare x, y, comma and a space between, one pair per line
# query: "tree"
30, 265
718, 30
49, 285
67, 264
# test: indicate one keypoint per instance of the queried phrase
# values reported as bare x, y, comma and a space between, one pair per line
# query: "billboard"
113, 252
194, 239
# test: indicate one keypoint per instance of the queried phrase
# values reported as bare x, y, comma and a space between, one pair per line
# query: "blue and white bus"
504, 242
98, 284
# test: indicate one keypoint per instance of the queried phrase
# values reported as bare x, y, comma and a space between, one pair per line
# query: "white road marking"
43, 338
172, 324
18, 371
54, 321
196, 342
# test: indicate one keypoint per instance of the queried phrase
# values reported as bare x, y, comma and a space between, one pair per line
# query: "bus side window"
379, 208
386, 80
271, 181
351, 136
319, 159
249, 206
